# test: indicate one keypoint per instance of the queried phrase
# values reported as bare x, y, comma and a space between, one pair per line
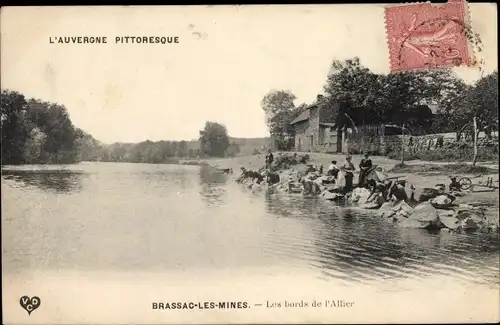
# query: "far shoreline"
258, 160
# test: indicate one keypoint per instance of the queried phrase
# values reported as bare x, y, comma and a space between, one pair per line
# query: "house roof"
304, 116
331, 125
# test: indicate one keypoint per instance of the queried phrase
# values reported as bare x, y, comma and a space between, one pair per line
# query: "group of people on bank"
349, 169
381, 189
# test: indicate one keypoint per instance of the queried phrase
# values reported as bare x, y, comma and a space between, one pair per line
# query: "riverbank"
420, 174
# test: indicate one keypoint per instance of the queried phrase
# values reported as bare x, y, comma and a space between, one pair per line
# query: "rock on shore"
435, 209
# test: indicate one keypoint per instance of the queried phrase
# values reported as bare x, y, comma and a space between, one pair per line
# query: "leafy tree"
483, 100
280, 110
182, 149
214, 140
53, 120
193, 153
88, 148
480, 105
13, 124
34, 146
350, 89
118, 153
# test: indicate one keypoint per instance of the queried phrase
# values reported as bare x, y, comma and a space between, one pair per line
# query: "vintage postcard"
250, 164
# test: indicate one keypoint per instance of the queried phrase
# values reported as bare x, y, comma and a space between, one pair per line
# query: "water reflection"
354, 246
164, 217
58, 181
212, 189
158, 175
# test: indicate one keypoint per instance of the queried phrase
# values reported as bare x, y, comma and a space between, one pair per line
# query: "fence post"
475, 141
403, 144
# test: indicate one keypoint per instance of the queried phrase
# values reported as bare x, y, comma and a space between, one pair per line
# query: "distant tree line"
353, 95
164, 151
39, 132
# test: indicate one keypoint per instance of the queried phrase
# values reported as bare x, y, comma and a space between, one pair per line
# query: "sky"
227, 59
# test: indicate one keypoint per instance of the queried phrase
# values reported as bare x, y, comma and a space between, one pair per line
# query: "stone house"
314, 132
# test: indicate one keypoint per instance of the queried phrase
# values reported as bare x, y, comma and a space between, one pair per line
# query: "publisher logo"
29, 304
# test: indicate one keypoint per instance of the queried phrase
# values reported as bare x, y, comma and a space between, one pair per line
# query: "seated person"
333, 170
454, 185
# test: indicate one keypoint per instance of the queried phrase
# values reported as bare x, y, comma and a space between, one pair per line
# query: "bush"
460, 168
396, 155
286, 160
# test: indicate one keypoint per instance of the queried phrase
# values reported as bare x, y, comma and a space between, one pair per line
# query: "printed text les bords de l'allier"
244, 305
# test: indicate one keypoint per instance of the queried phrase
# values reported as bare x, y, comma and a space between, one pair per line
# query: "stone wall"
372, 139
314, 125
369, 138
304, 130
301, 140
430, 142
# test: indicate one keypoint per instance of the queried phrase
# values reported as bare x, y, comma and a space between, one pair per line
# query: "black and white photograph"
250, 164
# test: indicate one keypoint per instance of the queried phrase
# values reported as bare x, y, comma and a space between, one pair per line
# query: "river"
144, 225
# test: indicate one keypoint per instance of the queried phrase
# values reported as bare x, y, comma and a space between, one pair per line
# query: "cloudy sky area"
228, 58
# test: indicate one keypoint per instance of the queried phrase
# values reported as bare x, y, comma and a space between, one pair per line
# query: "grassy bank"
451, 168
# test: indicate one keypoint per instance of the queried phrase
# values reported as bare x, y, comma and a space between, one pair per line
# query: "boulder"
403, 210
471, 219
470, 224
413, 223
360, 195
428, 193
386, 210
446, 213
331, 196
466, 206
450, 222
442, 201
423, 215
333, 188
476, 214
440, 187
370, 205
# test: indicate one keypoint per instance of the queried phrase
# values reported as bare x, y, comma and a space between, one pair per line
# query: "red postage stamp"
425, 35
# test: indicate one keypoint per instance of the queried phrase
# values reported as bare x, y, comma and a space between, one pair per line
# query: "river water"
95, 221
